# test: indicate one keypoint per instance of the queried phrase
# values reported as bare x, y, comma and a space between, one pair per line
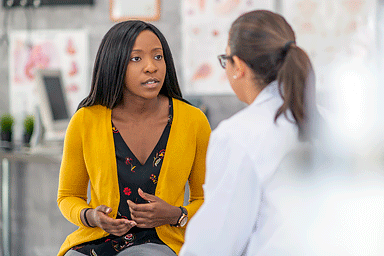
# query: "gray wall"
38, 228
96, 20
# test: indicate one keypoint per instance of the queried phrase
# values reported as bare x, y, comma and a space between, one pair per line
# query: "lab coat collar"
270, 91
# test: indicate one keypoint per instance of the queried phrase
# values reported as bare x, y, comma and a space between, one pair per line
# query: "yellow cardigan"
89, 155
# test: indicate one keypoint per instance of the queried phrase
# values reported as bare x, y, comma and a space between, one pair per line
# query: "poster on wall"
205, 26
66, 50
120, 10
333, 32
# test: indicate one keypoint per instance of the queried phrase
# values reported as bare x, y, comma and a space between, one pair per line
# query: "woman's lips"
151, 83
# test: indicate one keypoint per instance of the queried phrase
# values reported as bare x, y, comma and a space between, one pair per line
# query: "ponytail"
266, 42
292, 78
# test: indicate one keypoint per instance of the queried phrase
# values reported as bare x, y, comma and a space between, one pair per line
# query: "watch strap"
183, 212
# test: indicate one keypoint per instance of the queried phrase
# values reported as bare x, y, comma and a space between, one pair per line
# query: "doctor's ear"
239, 67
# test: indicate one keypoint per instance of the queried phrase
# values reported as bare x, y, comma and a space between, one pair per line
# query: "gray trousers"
148, 249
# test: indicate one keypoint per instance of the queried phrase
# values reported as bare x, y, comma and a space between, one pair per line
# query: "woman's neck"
137, 108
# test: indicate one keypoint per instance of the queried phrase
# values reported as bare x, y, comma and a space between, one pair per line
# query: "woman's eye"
158, 57
135, 58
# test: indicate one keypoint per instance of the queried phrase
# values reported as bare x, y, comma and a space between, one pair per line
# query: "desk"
7, 158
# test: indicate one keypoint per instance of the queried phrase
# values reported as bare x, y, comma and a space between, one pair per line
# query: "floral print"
128, 161
153, 178
132, 175
127, 191
158, 157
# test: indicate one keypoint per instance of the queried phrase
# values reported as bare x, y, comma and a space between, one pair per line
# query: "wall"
38, 228
96, 20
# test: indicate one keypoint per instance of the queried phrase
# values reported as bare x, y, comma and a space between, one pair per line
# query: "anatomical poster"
66, 50
205, 27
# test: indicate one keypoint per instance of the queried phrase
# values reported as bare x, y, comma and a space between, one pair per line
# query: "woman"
137, 142
268, 71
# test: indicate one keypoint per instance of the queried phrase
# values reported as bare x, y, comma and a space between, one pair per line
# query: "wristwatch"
183, 218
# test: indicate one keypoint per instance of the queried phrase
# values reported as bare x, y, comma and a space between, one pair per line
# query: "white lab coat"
243, 153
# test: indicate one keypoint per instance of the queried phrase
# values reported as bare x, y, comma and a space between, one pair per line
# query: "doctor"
268, 71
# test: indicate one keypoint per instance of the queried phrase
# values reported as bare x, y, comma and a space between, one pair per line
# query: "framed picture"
148, 10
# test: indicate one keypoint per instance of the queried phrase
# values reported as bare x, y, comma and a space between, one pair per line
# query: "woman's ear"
239, 66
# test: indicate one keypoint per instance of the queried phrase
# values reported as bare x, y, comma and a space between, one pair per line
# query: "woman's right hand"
99, 217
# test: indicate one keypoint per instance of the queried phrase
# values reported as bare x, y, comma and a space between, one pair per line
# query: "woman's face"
146, 68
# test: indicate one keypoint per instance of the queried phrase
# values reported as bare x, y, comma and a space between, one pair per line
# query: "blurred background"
53, 43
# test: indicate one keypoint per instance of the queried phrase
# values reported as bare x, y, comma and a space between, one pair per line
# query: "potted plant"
29, 122
6, 123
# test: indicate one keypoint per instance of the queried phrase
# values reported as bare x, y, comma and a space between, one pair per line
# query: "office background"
37, 226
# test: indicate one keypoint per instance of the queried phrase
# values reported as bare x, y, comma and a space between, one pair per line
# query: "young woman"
269, 72
137, 142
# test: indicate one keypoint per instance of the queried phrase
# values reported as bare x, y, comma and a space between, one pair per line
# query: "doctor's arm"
224, 223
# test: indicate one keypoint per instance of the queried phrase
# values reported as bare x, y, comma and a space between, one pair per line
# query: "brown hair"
266, 42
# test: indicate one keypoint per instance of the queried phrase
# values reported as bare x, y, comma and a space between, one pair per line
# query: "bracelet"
85, 218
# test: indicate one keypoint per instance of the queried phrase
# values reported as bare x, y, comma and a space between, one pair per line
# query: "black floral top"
131, 176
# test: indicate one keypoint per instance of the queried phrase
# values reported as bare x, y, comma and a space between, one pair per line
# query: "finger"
104, 209
117, 223
139, 207
143, 223
122, 231
107, 221
140, 220
146, 196
118, 228
142, 214
114, 230
124, 227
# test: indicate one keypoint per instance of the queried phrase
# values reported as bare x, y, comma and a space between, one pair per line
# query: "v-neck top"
89, 158
132, 175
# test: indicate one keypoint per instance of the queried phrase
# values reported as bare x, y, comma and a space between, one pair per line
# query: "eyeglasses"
223, 59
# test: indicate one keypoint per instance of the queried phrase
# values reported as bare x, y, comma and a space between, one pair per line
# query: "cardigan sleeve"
73, 179
197, 175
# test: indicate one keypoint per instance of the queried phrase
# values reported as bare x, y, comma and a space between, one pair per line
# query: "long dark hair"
112, 60
267, 43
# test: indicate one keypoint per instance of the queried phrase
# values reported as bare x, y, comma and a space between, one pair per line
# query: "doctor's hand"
155, 213
99, 217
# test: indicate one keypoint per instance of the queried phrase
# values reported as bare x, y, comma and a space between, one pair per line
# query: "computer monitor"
52, 103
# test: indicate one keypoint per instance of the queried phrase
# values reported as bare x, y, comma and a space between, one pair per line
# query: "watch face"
183, 220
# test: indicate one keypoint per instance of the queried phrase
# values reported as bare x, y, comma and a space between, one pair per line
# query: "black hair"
111, 63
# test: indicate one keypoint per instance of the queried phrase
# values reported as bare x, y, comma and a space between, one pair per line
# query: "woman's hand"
99, 217
155, 213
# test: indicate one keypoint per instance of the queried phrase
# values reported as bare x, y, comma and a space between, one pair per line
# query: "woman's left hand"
155, 213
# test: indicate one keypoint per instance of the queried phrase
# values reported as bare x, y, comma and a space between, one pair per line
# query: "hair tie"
287, 46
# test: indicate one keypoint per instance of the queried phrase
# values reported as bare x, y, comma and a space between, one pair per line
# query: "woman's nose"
150, 66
